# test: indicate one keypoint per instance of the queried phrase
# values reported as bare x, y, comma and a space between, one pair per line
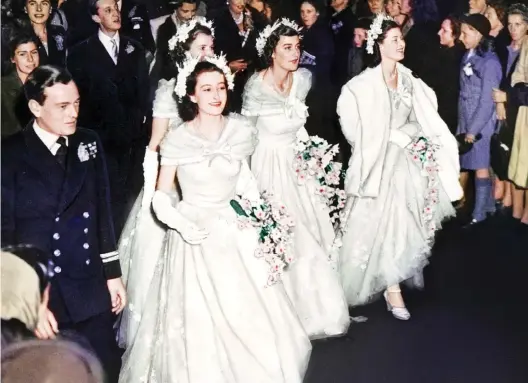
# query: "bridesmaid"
274, 101
481, 72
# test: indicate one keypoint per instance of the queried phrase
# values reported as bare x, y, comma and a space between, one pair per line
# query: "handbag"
463, 146
500, 149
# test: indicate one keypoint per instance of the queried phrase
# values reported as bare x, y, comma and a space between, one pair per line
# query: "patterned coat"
479, 75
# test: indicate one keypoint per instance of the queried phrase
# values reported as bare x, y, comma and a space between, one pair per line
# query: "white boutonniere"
468, 69
85, 151
129, 48
59, 39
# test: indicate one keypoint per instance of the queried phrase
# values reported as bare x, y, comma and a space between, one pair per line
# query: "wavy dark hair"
19, 38
501, 9
266, 60
375, 59
455, 25
189, 110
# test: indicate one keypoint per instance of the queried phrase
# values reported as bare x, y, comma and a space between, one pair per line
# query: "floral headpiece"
182, 34
375, 30
266, 33
188, 67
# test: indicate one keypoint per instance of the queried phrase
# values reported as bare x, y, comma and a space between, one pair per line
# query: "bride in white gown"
402, 176
142, 238
279, 113
208, 317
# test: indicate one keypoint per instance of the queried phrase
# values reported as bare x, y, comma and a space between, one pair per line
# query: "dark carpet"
469, 324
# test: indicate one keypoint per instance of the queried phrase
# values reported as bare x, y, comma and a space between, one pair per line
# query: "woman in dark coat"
24, 57
507, 104
446, 83
51, 38
235, 37
318, 56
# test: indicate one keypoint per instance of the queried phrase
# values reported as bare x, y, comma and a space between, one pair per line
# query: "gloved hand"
169, 215
247, 184
150, 173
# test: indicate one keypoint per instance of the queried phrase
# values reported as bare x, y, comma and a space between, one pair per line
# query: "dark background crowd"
118, 78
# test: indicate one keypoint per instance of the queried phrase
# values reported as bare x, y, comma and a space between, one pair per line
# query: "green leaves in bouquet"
238, 209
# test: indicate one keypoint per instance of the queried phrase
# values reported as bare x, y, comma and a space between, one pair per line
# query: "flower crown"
375, 30
182, 34
188, 66
266, 33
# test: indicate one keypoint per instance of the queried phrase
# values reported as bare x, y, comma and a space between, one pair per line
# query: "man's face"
108, 16
58, 114
186, 12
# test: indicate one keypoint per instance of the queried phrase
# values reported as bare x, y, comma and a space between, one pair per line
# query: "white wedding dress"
142, 237
387, 238
311, 282
208, 317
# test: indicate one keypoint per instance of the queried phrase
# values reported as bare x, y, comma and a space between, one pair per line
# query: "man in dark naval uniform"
55, 196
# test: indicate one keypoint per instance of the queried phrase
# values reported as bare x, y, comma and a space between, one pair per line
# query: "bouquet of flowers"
275, 230
423, 153
314, 158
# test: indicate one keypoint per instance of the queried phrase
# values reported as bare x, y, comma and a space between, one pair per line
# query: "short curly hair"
519, 9
189, 110
272, 41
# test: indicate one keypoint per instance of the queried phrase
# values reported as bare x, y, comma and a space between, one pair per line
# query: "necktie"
114, 49
62, 152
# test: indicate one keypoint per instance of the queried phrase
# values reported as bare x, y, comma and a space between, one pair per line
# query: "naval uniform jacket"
65, 212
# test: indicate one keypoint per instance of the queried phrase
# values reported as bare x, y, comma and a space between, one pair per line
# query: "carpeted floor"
469, 325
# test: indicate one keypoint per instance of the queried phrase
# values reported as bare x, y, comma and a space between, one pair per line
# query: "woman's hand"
499, 96
470, 138
501, 111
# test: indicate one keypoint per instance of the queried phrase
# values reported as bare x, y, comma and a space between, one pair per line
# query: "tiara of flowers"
188, 66
266, 33
182, 34
375, 30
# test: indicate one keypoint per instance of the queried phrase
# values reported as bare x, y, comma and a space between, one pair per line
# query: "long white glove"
150, 174
247, 184
169, 215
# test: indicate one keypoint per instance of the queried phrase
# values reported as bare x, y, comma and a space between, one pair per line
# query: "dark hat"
479, 22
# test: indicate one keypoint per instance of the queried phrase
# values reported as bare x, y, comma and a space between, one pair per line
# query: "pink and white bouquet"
314, 158
423, 152
275, 231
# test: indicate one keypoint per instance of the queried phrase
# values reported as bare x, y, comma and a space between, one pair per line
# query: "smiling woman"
51, 38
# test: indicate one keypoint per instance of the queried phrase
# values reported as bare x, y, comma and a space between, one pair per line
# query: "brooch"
60, 42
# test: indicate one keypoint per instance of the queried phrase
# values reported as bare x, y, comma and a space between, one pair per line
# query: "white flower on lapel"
82, 153
468, 69
59, 39
129, 48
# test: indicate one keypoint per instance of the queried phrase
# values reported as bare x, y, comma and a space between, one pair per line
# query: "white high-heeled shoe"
400, 313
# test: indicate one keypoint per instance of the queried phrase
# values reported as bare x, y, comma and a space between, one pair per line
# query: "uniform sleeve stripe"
110, 254
111, 259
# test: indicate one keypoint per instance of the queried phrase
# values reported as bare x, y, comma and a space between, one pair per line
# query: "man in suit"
55, 196
112, 75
